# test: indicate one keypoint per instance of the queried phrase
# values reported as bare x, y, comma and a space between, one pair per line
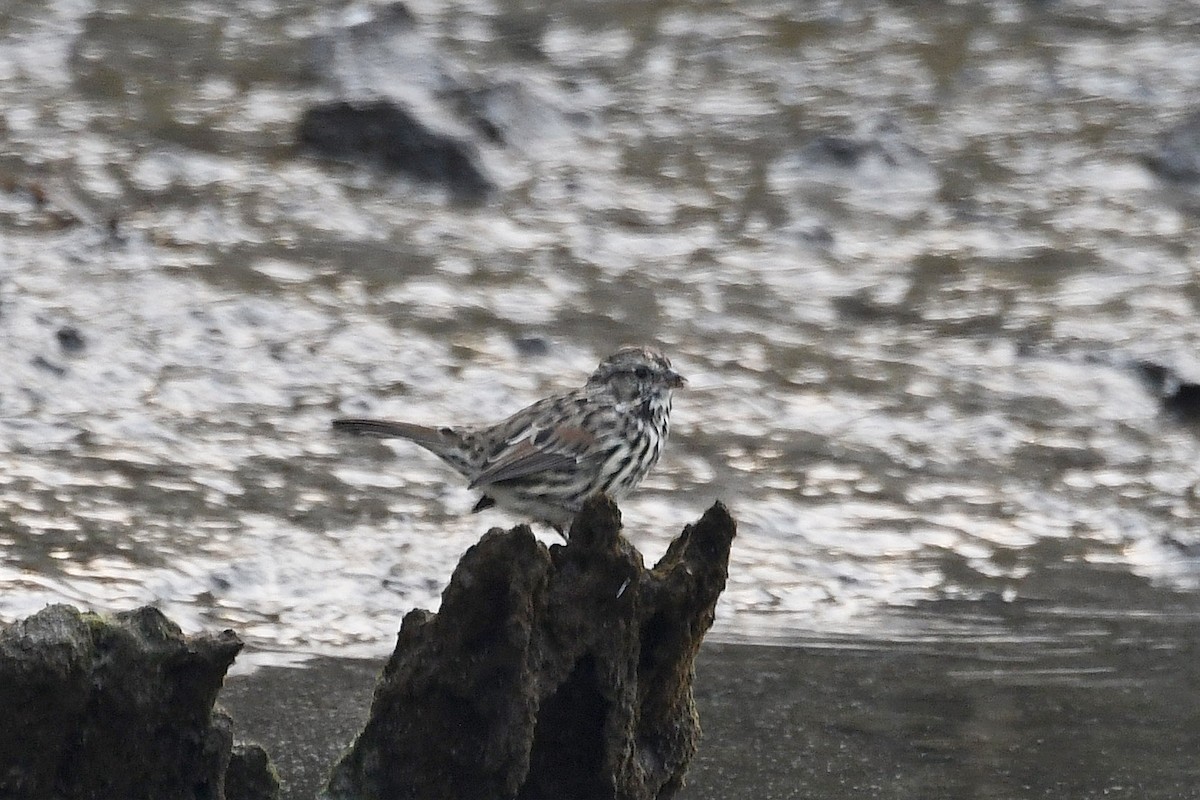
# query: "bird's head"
638, 374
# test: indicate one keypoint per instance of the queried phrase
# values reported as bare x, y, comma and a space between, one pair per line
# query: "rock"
532, 346
1177, 157
1184, 401
384, 134
547, 673
378, 59
1179, 397
250, 775
389, 77
70, 339
117, 707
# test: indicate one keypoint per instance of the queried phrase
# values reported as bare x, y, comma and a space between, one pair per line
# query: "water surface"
907, 255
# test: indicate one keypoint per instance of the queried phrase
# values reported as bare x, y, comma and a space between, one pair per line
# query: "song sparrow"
545, 460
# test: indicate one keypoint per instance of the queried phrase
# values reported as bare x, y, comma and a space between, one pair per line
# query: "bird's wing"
541, 451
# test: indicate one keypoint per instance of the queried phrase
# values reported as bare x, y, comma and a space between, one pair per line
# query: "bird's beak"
675, 380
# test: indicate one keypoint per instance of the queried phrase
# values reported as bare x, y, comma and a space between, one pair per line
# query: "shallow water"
907, 255
1031, 709
1010, 705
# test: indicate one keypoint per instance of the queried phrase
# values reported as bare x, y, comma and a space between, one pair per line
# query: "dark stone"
1179, 397
117, 707
1154, 375
841, 151
70, 339
1184, 400
547, 673
1177, 157
531, 346
250, 775
383, 133
861, 307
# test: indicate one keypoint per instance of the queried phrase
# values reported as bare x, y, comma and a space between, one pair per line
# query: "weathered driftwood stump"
115, 707
548, 673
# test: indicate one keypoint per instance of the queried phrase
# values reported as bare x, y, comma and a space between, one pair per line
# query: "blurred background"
930, 268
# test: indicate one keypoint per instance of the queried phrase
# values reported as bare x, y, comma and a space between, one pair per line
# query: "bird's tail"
390, 430
445, 443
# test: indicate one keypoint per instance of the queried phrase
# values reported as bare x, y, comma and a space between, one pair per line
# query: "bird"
545, 460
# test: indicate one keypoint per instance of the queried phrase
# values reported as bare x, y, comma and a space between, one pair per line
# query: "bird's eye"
642, 373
